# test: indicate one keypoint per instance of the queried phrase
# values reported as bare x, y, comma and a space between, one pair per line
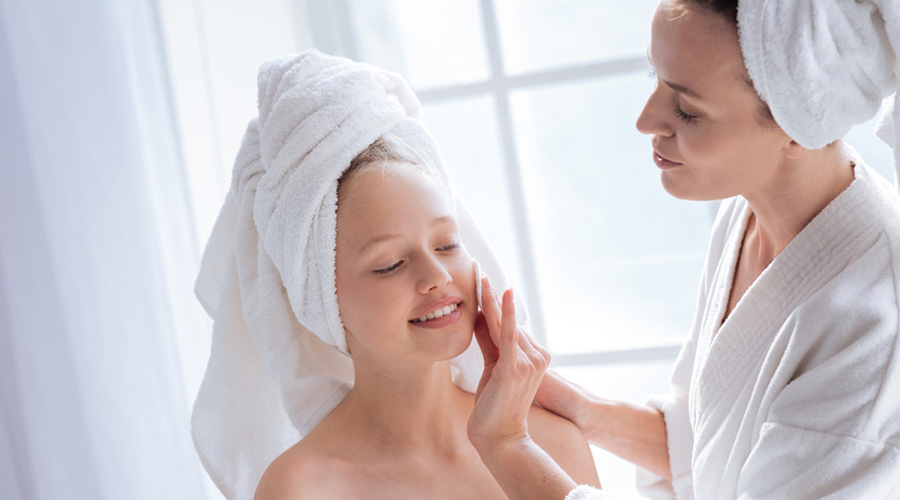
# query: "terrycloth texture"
585, 492
794, 396
279, 360
823, 66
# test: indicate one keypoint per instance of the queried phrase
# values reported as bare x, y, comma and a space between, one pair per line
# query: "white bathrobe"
797, 394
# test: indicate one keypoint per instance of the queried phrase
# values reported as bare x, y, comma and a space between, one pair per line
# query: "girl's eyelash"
389, 269
684, 116
395, 266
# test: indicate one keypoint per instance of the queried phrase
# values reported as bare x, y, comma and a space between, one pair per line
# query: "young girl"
356, 290
787, 387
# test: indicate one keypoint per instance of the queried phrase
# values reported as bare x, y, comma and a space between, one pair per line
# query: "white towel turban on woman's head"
279, 362
823, 66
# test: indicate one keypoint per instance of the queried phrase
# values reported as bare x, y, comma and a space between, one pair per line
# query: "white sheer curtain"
97, 258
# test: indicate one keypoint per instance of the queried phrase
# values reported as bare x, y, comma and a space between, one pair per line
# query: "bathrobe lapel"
730, 354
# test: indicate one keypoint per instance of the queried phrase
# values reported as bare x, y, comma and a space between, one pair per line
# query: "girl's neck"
408, 407
803, 188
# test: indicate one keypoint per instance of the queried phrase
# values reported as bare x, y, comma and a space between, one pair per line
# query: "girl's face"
709, 139
405, 283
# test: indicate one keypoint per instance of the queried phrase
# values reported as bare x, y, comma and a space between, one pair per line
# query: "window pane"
539, 35
466, 130
433, 44
631, 382
875, 152
618, 259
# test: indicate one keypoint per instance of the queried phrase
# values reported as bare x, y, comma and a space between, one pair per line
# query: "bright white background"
118, 124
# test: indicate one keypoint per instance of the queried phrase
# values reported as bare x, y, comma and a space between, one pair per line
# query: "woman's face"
399, 261
709, 140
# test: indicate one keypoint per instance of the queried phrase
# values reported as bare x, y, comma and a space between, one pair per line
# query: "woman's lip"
443, 321
663, 162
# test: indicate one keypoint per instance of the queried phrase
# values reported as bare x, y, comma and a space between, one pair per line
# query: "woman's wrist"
595, 417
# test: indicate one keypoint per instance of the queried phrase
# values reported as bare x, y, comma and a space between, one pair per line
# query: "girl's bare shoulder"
307, 470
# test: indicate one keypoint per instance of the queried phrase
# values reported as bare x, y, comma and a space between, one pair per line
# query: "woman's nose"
655, 117
433, 275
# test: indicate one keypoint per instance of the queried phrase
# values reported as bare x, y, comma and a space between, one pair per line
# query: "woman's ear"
794, 151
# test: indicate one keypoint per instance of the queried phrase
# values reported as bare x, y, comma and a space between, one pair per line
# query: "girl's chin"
459, 342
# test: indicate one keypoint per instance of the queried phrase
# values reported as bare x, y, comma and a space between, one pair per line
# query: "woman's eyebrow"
681, 89
674, 86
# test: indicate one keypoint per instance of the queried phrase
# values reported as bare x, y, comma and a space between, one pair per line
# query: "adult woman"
785, 388
344, 303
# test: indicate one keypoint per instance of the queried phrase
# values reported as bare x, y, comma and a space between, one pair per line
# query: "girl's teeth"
438, 313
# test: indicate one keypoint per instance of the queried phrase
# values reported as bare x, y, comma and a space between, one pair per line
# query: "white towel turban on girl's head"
823, 66
279, 362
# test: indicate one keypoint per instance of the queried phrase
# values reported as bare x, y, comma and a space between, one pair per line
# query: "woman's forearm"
635, 433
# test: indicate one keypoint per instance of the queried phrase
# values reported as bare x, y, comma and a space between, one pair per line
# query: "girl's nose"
433, 276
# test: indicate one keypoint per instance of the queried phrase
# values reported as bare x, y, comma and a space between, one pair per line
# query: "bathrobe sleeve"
674, 408
833, 428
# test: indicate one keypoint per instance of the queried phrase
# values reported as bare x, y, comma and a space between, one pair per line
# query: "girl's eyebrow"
381, 238
444, 219
376, 240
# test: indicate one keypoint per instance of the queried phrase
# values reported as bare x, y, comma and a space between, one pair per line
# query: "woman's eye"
389, 269
684, 116
445, 248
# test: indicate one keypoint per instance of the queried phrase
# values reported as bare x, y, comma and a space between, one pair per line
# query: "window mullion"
513, 172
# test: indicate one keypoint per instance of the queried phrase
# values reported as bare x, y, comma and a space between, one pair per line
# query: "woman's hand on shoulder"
565, 399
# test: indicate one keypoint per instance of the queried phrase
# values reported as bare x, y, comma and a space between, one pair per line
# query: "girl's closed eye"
448, 248
389, 269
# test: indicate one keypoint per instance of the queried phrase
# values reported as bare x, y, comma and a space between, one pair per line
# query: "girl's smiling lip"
438, 304
443, 321
447, 317
663, 162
